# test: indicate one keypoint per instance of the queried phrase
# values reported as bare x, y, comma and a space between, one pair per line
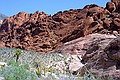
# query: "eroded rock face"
102, 58
43, 33
113, 50
86, 45
111, 6
2, 44
117, 3
117, 22
100, 54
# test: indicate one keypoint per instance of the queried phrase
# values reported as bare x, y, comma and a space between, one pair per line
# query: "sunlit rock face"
100, 54
41, 32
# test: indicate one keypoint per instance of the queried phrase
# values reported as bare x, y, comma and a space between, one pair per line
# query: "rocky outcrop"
100, 54
111, 6
93, 33
112, 50
86, 45
43, 33
117, 3
105, 62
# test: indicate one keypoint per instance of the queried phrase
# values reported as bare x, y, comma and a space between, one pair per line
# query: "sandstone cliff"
43, 33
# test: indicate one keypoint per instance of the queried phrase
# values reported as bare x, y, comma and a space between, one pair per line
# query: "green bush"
14, 71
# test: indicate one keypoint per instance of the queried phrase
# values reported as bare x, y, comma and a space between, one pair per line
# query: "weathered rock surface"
117, 3
106, 60
83, 45
111, 6
43, 33
100, 53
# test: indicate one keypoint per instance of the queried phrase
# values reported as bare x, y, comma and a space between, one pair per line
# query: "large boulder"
103, 60
117, 22
113, 50
117, 4
100, 54
86, 45
110, 6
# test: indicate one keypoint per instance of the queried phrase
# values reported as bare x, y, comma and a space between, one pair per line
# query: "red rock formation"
117, 3
111, 6
42, 33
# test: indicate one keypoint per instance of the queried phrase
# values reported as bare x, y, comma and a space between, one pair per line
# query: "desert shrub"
14, 71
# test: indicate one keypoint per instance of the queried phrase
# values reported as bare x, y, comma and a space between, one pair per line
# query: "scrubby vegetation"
14, 71
42, 68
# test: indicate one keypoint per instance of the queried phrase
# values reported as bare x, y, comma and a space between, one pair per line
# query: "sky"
12, 7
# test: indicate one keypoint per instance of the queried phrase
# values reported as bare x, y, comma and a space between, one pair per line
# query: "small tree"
17, 54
